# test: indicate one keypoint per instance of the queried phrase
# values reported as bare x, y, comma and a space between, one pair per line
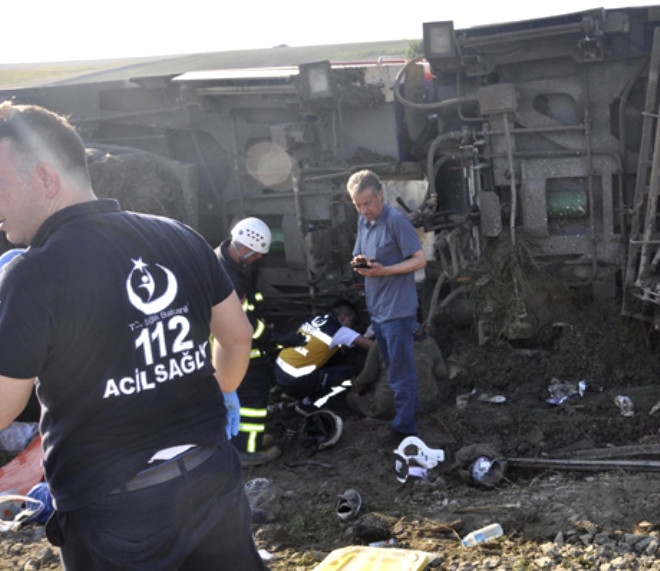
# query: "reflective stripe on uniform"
248, 307
294, 371
259, 329
320, 335
253, 412
250, 427
253, 431
251, 445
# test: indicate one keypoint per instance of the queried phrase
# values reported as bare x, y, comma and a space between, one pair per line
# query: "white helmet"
253, 233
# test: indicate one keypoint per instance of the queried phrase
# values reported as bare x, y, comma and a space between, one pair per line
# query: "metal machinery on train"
518, 147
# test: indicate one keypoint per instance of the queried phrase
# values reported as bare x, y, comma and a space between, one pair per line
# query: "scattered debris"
25, 470
588, 465
560, 391
365, 557
626, 406
493, 399
348, 505
482, 535
414, 458
486, 472
614, 452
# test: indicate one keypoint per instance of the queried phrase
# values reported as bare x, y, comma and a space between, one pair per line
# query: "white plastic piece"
21, 516
413, 448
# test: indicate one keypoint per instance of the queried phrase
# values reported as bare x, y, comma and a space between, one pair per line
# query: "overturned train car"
525, 153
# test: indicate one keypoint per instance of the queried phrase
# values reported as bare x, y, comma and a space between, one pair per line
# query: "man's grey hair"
363, 180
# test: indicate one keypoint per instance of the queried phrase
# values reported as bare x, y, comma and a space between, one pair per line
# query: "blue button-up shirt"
390, 240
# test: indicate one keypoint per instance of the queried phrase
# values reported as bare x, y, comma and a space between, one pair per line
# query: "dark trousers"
316, 384
253, 394
395, 340
199, 521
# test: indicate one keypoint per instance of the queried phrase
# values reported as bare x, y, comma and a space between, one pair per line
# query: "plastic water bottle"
482, 535
384, 543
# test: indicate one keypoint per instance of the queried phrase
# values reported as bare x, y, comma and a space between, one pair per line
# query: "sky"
72, 30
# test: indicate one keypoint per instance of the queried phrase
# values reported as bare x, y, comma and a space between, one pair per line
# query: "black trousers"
253, 394
198, 521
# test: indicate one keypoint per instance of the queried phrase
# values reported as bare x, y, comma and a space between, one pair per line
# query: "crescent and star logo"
319, 321
148, 294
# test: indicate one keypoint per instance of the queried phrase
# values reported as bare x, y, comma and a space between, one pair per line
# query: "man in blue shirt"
387, 253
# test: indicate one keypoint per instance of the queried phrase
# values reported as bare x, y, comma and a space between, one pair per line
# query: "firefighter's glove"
293, 339
233, 406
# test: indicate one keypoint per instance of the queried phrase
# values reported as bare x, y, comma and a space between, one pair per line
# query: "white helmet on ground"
253, 233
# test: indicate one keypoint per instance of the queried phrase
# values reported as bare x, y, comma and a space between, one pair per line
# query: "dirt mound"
142, 182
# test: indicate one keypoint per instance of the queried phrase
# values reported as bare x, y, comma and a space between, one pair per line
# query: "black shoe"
393, 438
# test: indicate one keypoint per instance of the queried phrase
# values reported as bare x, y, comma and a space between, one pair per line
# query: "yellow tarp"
361, 558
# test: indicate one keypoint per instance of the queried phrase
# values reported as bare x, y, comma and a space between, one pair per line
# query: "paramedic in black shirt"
111, 312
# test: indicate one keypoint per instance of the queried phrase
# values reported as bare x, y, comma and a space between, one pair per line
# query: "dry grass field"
15, 76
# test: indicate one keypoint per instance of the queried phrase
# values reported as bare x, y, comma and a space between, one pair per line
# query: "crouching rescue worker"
307, 372
239, 256
110, 312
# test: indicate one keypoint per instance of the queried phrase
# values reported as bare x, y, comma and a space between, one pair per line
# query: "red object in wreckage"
25, 470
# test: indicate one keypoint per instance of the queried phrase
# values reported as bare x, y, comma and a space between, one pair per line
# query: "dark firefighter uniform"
254, 391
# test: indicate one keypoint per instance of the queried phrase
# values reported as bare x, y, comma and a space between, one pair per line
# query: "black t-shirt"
111, 311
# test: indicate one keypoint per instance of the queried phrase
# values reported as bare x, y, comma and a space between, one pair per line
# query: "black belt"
167, 471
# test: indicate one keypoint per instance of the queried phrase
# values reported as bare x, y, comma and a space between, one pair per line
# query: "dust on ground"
593, 343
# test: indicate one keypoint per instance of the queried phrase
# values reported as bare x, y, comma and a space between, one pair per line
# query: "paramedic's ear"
49, 179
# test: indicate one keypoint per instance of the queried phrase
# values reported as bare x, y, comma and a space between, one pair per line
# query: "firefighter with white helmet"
253, 234
250, 241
